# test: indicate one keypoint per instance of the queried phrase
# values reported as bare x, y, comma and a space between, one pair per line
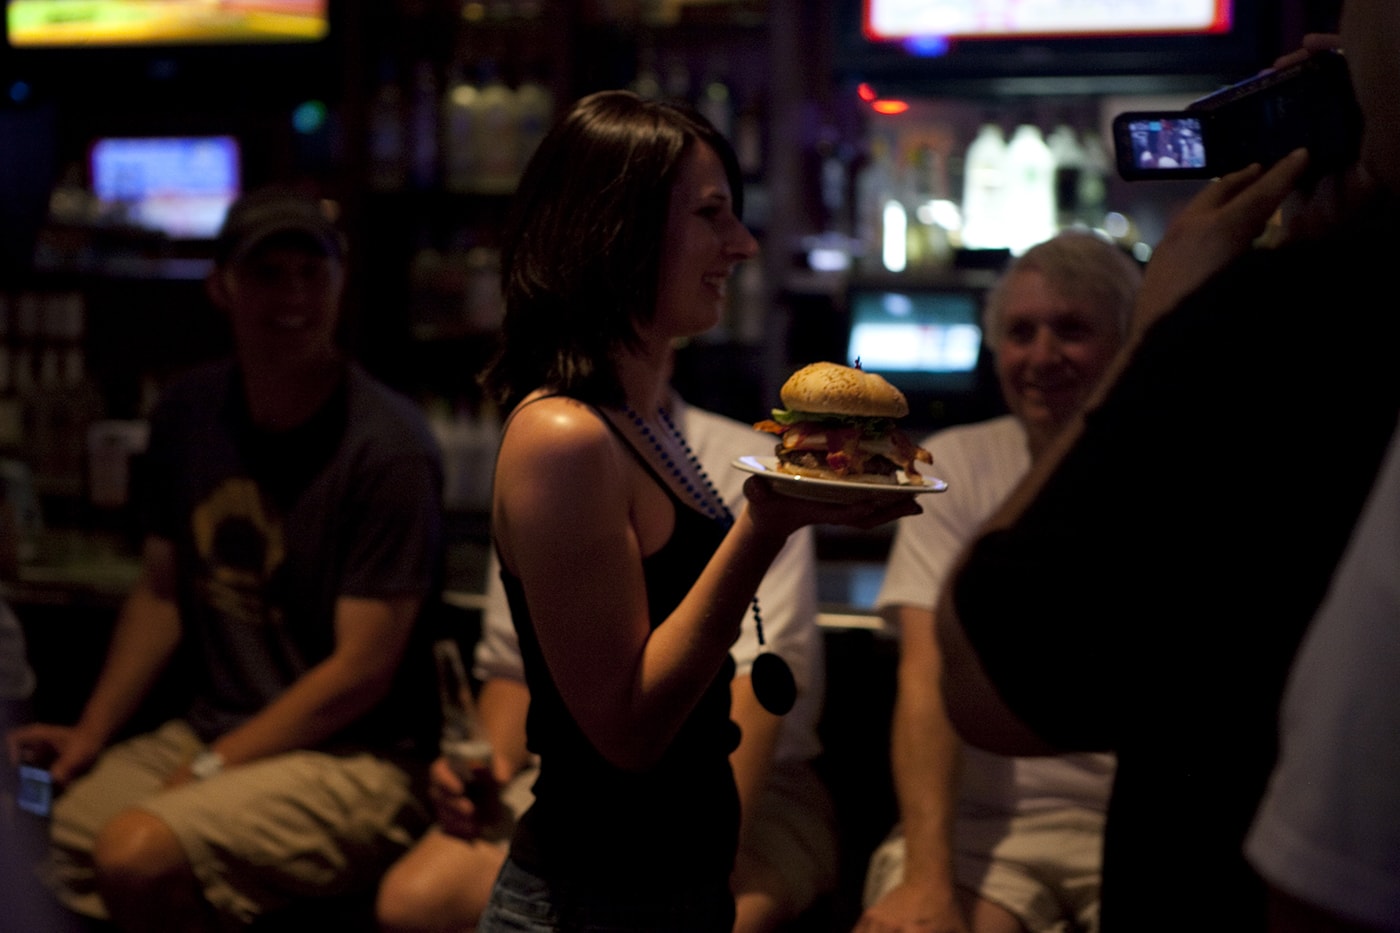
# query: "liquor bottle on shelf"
1030, 188
387, 162
716, 100
647, 83
422, 127
1069, 169
534, 107
1093, 181
459, 133
984, 190
496, 135
874, 189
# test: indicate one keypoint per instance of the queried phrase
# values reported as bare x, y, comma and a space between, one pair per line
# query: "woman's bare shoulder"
557, 437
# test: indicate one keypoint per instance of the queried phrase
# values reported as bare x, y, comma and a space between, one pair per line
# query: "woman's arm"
574, 516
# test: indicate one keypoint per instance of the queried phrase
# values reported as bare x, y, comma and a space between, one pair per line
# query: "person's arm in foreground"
925, 752
1217, 226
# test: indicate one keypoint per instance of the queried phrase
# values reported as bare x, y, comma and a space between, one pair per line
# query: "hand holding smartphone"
1306, 105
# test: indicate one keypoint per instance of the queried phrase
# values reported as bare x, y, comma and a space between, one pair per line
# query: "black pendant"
773, 683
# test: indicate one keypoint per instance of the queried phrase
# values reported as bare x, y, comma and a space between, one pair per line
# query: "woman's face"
703, 242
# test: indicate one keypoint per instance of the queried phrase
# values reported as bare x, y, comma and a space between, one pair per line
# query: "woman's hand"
775, 513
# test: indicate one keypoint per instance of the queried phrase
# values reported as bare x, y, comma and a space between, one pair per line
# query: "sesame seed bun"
829, 388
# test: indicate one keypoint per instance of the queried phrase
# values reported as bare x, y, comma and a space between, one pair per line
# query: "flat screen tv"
177, 186
90, 23
922, 338
1095, 46
106, 53
927, 341
889, 20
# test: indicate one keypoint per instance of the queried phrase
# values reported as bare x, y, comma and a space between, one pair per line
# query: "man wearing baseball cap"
293, 541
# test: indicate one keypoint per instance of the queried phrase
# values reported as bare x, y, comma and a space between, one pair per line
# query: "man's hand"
456, 812
914, 908
70, 752
1214, 229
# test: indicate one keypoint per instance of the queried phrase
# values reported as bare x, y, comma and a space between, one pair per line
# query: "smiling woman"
626, 599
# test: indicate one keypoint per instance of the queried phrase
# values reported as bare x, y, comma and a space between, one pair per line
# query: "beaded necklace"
775, 689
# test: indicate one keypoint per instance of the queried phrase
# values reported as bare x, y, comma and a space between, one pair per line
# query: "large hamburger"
838, 423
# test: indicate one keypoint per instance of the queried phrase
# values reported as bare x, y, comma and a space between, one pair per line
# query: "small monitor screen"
180, 186
72, 23
1167, 143
919, 338
997, 19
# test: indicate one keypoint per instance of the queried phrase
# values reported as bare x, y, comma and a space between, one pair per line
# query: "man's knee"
399, 905
137, 851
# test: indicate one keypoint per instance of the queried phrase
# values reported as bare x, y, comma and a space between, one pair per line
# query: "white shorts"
1043, 867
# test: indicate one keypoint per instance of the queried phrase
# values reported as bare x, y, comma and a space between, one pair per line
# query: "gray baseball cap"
265, 213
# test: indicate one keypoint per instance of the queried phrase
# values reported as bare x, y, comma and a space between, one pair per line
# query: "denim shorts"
523, 902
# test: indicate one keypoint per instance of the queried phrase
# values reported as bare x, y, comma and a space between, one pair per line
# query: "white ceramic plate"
832, 490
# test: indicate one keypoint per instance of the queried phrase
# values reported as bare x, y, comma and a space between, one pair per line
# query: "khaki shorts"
258, 836
1042, 867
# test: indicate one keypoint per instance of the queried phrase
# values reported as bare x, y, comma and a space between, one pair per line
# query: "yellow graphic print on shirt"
239, 537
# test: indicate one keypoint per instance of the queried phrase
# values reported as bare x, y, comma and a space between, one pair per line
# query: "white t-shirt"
982, 463
1328, 831
787, 597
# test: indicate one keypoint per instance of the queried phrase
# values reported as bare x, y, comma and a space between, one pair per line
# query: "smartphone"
1261, 119
35, 790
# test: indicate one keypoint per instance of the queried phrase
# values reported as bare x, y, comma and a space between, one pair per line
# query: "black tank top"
645, 832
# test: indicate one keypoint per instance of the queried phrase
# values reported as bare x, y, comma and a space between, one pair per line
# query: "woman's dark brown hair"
583, 244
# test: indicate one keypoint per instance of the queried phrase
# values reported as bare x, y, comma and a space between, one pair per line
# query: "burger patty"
810, 459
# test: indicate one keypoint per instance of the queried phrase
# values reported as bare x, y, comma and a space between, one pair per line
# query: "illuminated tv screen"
923, 337
1041, 47
179, 186
117, 23
887, 20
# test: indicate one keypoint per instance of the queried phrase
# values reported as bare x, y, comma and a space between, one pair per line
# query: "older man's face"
1050, 354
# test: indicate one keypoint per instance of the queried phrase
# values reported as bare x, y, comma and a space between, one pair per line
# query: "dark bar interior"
122, 142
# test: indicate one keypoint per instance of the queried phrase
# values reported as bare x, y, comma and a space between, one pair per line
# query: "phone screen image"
35, 790
1167, 143
1164, 144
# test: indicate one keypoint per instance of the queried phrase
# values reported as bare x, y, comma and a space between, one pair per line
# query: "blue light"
20, 91
309, 117
926, 46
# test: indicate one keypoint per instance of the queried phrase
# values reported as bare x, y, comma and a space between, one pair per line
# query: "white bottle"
1030, 190
984, 190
